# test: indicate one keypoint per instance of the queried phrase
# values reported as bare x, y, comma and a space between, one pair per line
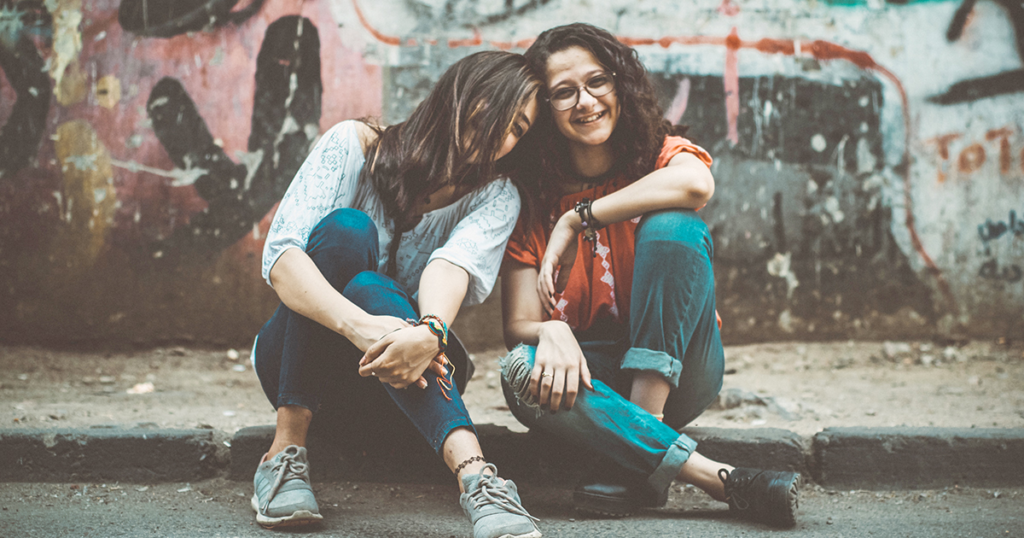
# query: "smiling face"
590, 123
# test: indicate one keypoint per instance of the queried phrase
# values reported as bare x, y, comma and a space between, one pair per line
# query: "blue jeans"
672, 332
300, 362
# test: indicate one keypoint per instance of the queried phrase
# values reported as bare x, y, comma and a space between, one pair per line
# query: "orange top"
599, 287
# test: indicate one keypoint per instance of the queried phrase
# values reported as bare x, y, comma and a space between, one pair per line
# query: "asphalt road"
220, 509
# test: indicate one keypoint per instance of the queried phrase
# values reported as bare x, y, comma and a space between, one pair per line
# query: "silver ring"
546, 374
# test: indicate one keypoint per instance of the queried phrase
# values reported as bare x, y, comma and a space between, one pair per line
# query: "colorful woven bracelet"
439, 328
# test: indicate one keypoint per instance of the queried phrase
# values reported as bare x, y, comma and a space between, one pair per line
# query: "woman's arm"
558, 352
321, 184
401, 357
685, 183
302, 287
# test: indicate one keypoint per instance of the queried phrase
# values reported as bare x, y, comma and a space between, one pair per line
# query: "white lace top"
470, 233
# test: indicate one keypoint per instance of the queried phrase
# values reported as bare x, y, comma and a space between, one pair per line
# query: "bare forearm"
443, 287
686, 185
302, 288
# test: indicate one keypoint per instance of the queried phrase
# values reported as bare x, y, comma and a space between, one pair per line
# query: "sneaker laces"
287, 469
492, 490
734, 488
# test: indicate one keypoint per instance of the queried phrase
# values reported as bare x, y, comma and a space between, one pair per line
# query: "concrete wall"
869, 155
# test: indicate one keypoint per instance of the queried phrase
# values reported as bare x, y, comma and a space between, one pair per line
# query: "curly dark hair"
641, 128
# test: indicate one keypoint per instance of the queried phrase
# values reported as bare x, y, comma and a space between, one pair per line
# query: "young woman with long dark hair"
380, 238
616, 291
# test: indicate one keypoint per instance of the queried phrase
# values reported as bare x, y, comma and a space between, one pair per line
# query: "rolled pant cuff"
648, 360
675, 457
302, 400
441, 434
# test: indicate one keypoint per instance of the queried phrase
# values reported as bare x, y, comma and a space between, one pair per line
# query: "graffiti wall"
869, 154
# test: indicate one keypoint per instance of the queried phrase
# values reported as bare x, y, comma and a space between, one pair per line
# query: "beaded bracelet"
439, 328
467, 462
589, 223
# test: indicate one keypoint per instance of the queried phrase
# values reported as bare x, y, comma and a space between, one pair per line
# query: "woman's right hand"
559, 367
373, 328
558, 260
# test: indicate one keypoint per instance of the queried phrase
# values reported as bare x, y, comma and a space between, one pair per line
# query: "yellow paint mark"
72, 87
108, 91
67, 44
89, 199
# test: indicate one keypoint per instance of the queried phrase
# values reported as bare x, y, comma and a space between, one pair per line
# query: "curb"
125, 455
905, 458
838, 458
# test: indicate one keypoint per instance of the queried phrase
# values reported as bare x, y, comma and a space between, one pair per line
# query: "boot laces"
286, 468
492, 490
736, 488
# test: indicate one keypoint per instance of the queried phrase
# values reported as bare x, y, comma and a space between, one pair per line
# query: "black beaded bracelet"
467, 462
589, 223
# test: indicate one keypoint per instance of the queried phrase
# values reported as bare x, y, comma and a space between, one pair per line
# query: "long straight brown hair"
451, 138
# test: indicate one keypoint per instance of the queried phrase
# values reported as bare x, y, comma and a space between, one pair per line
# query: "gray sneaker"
283, 495
493, 507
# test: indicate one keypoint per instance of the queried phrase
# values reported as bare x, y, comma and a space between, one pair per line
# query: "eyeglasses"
567, 97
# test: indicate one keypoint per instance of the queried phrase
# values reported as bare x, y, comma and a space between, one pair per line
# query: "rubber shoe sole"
791, 501
300, 517
602, 505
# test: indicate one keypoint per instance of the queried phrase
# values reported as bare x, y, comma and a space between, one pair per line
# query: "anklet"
467, 462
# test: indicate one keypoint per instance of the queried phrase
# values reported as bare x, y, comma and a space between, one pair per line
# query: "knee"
346, 226
367, 286
379, 295
675, 226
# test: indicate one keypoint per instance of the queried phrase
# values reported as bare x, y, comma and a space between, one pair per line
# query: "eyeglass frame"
580, 88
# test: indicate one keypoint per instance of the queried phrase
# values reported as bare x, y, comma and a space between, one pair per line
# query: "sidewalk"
850, 415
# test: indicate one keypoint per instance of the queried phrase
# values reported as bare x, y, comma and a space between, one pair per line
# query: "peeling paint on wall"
869, 155
87, 198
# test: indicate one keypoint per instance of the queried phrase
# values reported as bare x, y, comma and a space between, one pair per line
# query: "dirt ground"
803, 387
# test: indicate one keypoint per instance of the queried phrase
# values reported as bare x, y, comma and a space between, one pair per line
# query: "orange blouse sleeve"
675, 145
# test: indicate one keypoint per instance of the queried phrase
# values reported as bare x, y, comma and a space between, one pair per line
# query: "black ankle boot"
764, 496
614, 492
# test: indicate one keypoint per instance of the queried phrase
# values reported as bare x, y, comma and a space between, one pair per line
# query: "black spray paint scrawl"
285, 121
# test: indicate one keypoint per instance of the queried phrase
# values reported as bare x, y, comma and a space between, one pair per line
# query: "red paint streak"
474, 41
390, 40
971, 158
731, 81
822, 50
728, 9
943, 142
776, 46
1004, 147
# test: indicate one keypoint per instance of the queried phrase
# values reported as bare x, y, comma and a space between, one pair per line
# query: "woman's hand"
559, 257
559, 367
400, 358
373, 328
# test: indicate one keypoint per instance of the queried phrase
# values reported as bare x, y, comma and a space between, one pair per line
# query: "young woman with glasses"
613, 296
382, 236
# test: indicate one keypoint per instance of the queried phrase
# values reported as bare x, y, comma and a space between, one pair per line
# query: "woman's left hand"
559, 258
400, 358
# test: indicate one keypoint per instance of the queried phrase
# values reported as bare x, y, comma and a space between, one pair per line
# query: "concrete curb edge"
839, 458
